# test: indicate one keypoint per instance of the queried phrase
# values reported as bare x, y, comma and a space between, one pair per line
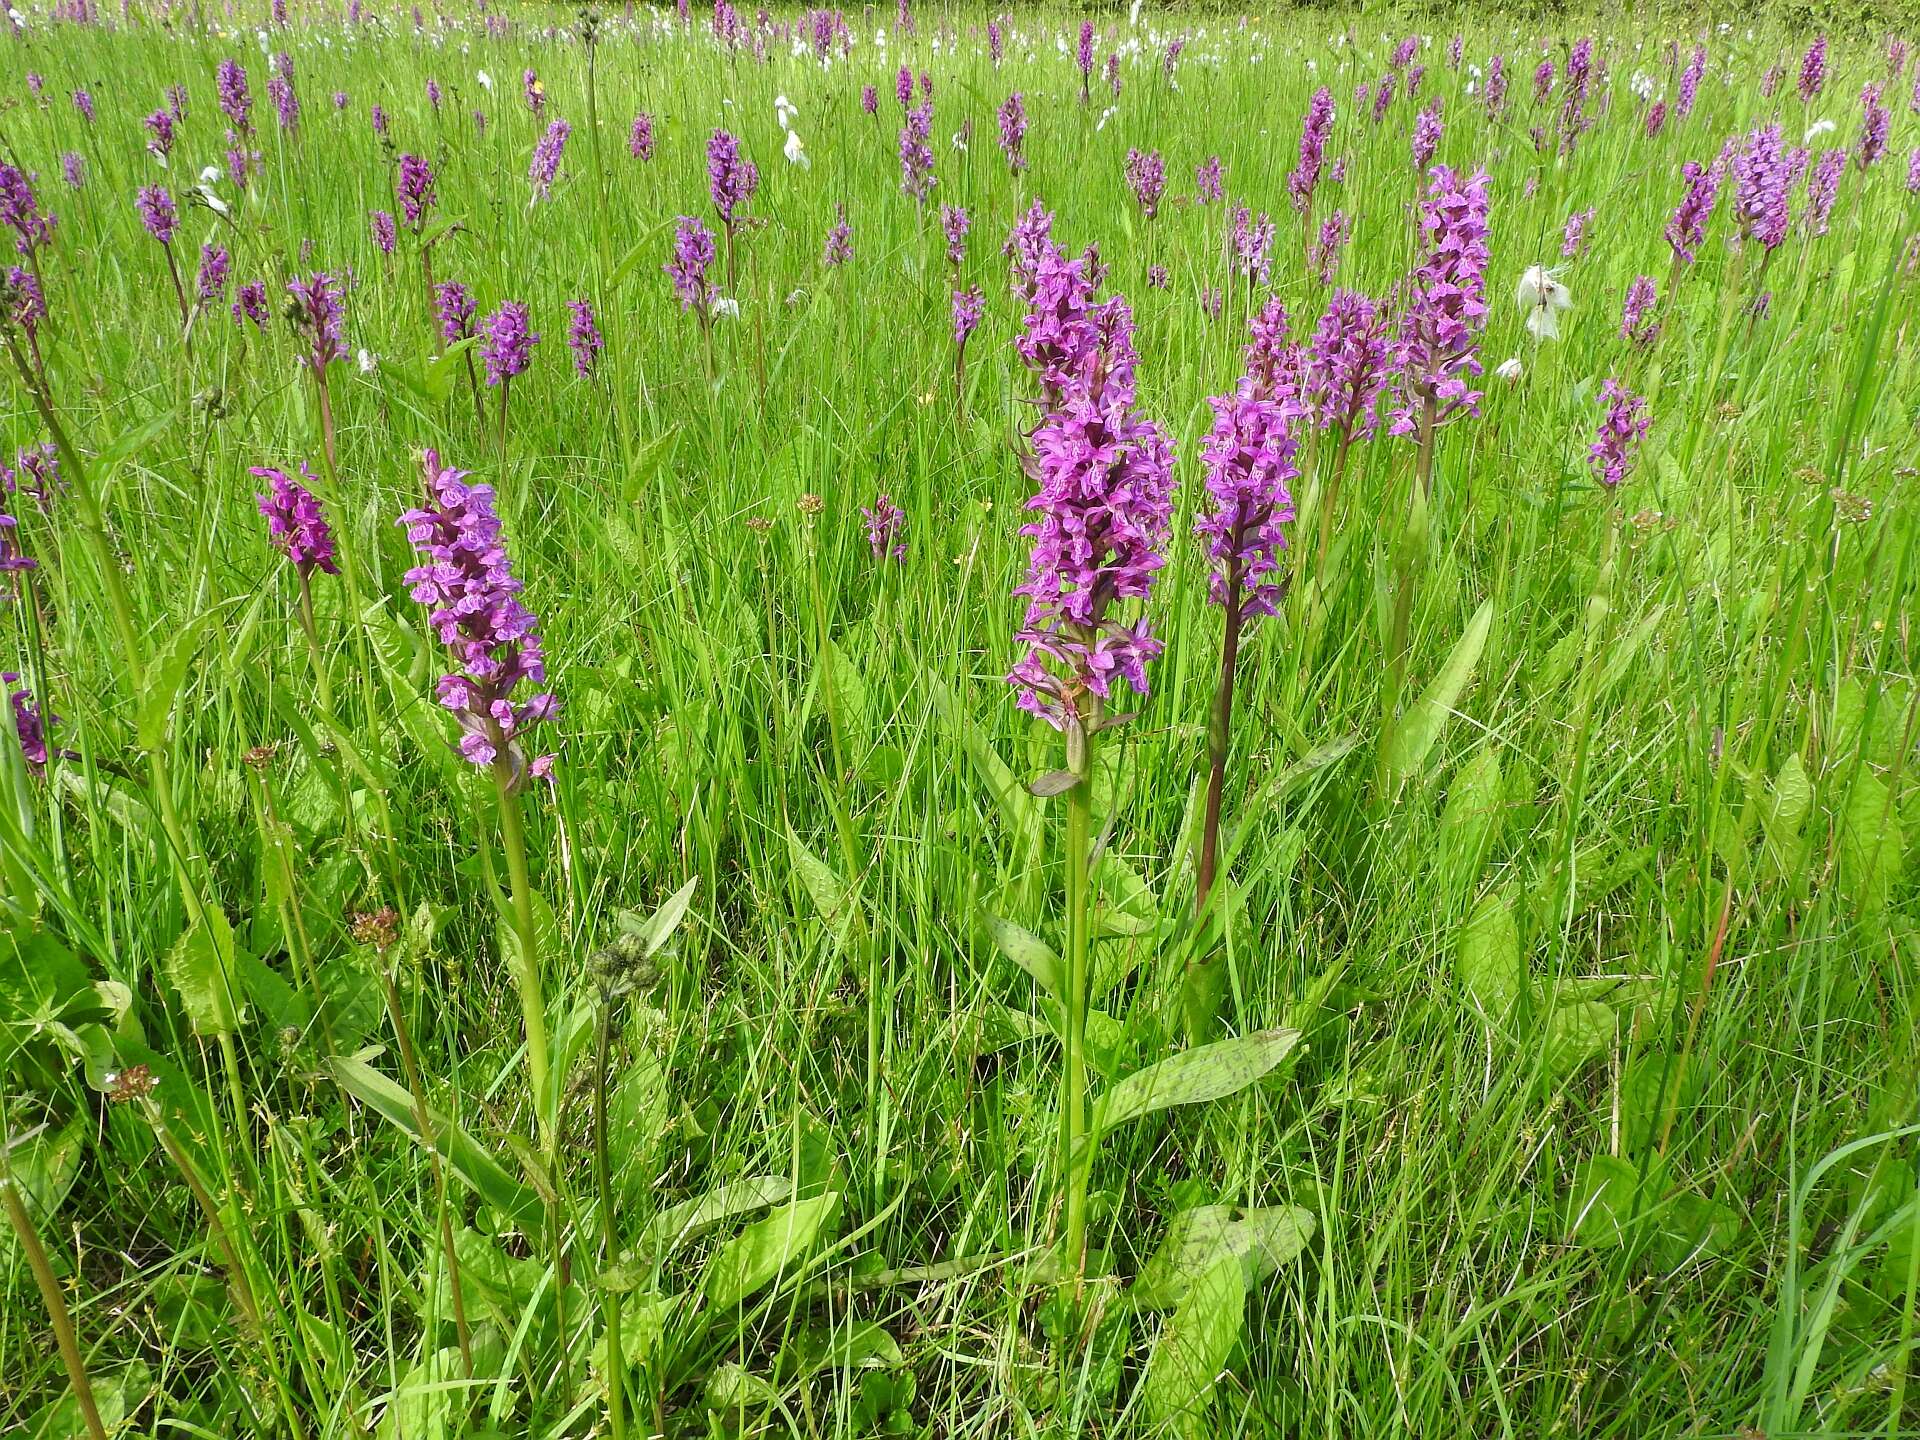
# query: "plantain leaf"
1194, 1076
1410, 741
166, 678
201, 967
690, 1218
1486, 957
470, 1160
767, 1248
1028, 951
1262, 1240
658, 928
829, 893
1577, 1031
1192, 1347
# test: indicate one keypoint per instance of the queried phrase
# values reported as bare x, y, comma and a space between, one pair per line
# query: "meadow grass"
1600, 944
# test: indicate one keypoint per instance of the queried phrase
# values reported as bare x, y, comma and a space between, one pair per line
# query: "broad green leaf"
1486, 957
849, 1346
516, 1202
1476, 802
135, 438
658, 928
852, 708
1787, 807
166, 678
1261, 1240
1601, 1204
117, 1394
1413, 737
45, 1169
768, 1248
1192, 1347
837, 906
443, 371
1871, 846
1028, 951
1577, 1031
689, 1219
1192, 1077
201, 967
1692, 1227
435, 1395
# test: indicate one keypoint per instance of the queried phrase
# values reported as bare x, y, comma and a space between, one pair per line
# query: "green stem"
525, 963
1076, 1140
602, 1176
62, 1322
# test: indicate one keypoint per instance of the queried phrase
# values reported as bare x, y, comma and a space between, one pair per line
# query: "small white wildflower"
486, 81
786, 110
1817, 129
1542, 296
796, 152
1509, 369
369, 362
727, 305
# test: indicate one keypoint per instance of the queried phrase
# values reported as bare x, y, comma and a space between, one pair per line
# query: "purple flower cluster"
468, 582
1638, 322
1823, 186
1690, 82
1210, 181
295, 522
286, 104
1573, 237
839, 249
1688, 227
968, 306
954, 224
583, 338
453, 307
886, 529
1314, 130
545, 166
22, 212
12, 558
1324, 253
1762, 177
29, 723
1249, 461
1874, 121
317, 313
1813, 68
1252, 242
1427, 128
507, 338
1147, 177
693, 251
1013, 131
1439, 331
35, 473
159, 134
413, 188
230, 89
640, 137
1347, 363
1496, 87
157, 213
211, 281
1622, 429
731, 178
916, 152
1104, 499
250, 303
385, 235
